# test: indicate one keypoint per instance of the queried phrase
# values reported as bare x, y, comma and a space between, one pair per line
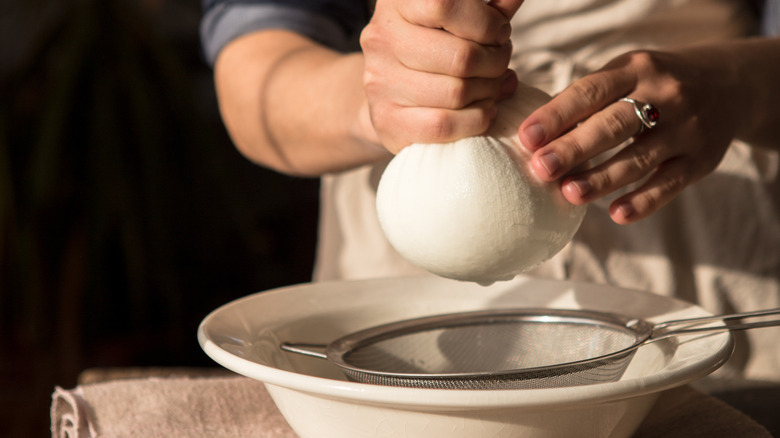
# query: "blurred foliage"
125, 213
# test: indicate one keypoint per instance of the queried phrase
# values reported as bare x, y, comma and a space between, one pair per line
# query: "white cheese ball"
472, 210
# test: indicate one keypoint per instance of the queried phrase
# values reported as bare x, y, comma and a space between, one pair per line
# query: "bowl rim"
679, 371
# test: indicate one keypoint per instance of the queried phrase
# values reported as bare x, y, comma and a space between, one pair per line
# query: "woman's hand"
435, 69
700, 109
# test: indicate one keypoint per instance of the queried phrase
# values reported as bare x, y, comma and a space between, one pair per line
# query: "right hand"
435, 69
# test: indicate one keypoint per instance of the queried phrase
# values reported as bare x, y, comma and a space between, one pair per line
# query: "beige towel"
215, 407
238, 407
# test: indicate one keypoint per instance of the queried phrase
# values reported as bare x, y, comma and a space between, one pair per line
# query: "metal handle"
304, 349
691, 323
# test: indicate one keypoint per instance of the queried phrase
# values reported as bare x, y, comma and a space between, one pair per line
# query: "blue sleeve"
334, 23
770, 23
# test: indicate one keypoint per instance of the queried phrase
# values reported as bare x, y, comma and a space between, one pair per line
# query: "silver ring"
648, 114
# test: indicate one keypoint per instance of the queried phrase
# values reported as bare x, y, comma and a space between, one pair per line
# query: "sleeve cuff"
224, 23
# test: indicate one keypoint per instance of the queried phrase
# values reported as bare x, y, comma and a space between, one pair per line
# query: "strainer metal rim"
639, 330
336, 351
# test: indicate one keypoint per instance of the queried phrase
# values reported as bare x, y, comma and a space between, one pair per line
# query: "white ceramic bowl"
318, 402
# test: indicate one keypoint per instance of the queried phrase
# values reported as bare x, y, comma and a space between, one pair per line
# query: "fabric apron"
717, 244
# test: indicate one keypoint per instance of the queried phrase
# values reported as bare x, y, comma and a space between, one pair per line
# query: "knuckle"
604, 181
457, 94
590, 91
654, 199
571, 150
673, 86
370, 76
369, 36
464, 59
439, 126
644, 60
648, 201
674, 183
616, 124
553, 117
677, 92
644, 161
667, 188
372, 82
670, 85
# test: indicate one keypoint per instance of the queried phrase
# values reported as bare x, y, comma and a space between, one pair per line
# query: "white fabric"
718, 244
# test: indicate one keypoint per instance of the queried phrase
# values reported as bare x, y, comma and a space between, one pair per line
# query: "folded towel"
239, 407
229, 407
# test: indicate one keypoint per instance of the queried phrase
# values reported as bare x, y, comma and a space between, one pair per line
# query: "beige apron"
717, 244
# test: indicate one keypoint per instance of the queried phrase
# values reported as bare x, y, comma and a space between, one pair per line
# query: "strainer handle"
691, 323
304, 349
704, 319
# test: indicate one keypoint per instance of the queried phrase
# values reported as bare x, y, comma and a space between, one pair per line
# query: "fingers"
603, 131
628, 166
440, 91
473, 20
434, 69
574, 104
428, 48
665, 184
587, 122
415, 107
646, 157
437, 125
450, 55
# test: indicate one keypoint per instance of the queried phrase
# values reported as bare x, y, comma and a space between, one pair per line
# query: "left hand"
699, 105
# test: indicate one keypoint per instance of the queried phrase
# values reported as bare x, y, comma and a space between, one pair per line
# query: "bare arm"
429, 72
295, 106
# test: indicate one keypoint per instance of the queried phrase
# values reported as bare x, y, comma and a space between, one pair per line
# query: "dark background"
126, 215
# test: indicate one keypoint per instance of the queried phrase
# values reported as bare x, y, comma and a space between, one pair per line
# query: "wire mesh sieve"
504, 348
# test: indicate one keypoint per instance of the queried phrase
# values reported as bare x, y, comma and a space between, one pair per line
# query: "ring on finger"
647, 113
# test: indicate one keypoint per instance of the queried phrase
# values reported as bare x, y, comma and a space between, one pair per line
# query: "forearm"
295, 106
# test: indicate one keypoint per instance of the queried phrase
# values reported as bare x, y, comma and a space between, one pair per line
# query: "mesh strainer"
505, 348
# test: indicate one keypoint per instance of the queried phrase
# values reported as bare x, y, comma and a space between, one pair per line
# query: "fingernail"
504, 33
626, 210
550, 162
534, 134
582, 186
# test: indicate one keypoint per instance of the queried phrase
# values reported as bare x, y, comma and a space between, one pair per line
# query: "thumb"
506, 7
